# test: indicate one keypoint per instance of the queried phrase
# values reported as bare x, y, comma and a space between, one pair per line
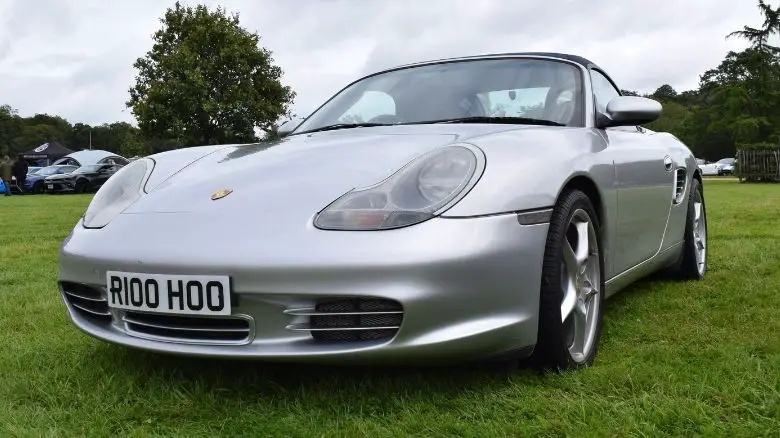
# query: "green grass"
676, 358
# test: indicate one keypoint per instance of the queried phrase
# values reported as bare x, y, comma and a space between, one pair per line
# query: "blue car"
34, 182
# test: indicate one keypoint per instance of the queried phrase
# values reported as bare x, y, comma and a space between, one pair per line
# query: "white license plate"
49, 186
178, 294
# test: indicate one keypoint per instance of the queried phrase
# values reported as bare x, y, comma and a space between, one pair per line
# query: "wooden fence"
758, 165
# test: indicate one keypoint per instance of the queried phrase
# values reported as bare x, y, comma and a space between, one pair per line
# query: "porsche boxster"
458, 209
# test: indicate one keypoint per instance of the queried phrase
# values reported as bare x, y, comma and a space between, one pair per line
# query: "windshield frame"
55, 170
581, 78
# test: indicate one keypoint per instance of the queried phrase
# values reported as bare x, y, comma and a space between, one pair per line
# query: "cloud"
75, 58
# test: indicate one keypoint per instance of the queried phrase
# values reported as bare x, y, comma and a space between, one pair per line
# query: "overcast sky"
74, 57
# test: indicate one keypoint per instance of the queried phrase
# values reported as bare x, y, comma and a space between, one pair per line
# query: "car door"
644, 178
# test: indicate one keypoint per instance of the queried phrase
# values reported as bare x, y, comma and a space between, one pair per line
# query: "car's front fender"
526, 169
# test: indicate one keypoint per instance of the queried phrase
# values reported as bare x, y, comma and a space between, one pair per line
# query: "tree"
131, 145
759, 38
206, 81
10, 127
672, 118
665, 93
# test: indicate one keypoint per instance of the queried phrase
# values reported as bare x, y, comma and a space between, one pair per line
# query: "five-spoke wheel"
570, 313
581, 284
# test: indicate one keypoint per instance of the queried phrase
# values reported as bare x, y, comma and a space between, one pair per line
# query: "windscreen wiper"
342, 126
489, 119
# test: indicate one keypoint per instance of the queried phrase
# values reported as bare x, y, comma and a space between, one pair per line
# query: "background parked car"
15, 185
92, 156
723, 166
727, 166
84, 179
35, 182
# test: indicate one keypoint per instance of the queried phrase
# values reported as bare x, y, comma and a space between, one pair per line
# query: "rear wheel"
571, 300
38, 187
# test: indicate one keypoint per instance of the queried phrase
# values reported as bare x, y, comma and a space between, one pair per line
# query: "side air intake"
680, 180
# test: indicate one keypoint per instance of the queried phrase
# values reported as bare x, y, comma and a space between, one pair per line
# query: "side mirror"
629, 111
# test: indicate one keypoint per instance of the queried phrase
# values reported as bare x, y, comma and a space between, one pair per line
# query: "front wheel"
81, 186
572, 292
693, 260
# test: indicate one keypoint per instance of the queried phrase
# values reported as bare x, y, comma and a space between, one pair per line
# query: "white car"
723, 166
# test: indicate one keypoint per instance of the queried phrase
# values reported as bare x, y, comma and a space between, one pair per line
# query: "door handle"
668, 163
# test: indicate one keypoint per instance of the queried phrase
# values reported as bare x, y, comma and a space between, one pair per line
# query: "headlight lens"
118, 193
417, 192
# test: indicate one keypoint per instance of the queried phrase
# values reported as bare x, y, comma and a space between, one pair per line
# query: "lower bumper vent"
86, 301
351, 319
188, 329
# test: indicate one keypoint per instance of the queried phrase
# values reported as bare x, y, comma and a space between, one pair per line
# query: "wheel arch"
588, 186
697, 176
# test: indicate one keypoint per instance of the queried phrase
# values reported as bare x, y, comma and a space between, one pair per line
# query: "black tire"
551, 349
38, 188
688, 266
81, 186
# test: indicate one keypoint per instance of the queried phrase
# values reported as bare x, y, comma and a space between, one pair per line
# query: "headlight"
417, 192
118, 193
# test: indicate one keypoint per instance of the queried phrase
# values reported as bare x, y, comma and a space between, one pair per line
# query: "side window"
603, 90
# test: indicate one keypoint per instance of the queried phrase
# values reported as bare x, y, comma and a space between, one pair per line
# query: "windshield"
726, 161
530, 88
88, 169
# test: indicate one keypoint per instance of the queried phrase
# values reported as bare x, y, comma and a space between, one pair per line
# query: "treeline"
737, 106
18, 134
737, 103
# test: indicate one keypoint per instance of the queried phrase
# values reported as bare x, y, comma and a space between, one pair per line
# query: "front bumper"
465, 288
58, 186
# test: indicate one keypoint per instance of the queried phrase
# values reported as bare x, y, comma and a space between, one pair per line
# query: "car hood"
296, 177
59, 176
32, 178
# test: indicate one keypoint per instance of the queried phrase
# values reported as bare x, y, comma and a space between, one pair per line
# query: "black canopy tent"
46, 153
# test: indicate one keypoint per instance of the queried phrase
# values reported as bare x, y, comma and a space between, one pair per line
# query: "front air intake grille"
87, 301
350, 319
188, 329
679, 185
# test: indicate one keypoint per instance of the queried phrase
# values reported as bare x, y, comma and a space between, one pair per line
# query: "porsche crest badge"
219, 194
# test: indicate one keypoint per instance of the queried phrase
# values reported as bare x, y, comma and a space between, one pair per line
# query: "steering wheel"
474, 106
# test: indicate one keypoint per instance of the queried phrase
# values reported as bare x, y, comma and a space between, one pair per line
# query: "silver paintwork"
468, 280
631, 110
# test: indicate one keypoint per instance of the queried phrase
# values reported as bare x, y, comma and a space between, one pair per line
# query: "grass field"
677, 358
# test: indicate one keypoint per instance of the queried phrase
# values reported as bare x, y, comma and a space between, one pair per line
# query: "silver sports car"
458, 209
